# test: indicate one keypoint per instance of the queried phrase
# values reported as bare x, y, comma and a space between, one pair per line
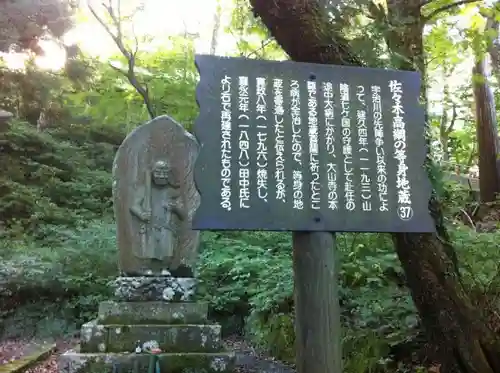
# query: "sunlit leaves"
252, 38
171, 78
442, 47
437, 9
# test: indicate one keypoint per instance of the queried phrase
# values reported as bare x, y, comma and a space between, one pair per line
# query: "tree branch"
263, 46
442, 125
130, 56
444, 8
318, 44
425, 2
450, 128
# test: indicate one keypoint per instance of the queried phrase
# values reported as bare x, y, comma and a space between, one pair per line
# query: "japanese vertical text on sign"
309, 147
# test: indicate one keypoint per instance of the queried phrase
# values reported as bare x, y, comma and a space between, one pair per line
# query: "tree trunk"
460, 332
316, 292
492, 23
446, 124
444, 136
486, 131
216, 27
494, 51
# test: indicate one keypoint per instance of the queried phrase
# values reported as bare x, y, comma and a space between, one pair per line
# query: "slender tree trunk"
492, 23
487, 134
446, 124
466, 344
494, 51
472, 155
443, 135
215, 29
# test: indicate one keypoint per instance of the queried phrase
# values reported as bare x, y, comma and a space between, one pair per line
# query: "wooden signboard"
312, 149
305, 147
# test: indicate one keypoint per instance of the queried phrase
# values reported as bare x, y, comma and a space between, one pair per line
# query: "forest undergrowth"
58, 252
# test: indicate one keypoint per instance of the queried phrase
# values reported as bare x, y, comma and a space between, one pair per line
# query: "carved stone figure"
155, 199
161, 212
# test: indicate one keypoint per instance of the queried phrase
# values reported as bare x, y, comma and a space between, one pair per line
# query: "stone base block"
136, 313
93, 337
154, 288
169, 338
75, 362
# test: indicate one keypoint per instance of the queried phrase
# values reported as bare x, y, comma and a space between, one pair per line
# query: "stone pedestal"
154, 288
150, 312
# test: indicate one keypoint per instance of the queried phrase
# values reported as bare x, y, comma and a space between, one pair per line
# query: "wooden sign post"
312, 149
318, 335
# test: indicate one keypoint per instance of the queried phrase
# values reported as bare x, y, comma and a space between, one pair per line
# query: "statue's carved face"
161, 172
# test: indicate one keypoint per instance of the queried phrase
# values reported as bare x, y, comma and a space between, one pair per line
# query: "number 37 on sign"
289, 146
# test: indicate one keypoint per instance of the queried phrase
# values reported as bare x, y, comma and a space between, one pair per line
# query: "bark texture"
318, 338
460, 331
493, 23
487, 134
301, 28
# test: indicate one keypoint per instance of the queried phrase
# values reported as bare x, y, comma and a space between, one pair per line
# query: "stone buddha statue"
160, 210
155, 199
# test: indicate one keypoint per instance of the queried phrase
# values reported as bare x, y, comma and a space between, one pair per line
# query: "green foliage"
455, 198
252, 38
61, 284
244, 274
26, 92
479, 257
234, 267
53, 181
463, 146
109, 99
59, 244
251, 273
443, 46
61, 183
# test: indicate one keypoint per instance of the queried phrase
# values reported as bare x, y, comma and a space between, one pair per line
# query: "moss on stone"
124, 320
169, 363
171, 338
93, 337
161, 313
203, 364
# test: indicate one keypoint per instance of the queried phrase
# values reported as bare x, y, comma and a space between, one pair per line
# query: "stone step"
75, 362
170, 338
135, 313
